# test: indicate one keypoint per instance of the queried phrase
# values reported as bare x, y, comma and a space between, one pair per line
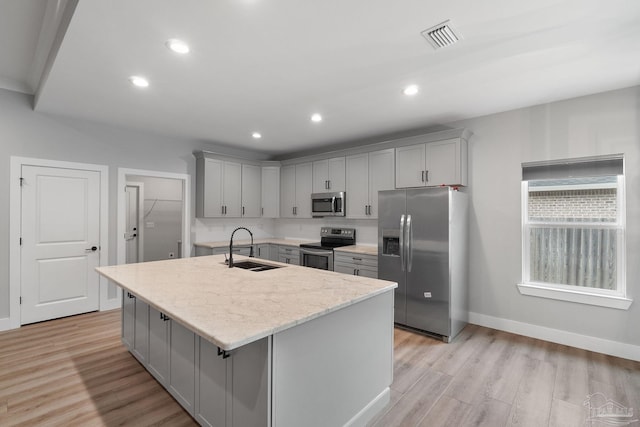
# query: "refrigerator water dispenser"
391, 242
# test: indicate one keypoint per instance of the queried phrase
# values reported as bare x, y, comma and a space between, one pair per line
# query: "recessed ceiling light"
316, 118
139, 81
177, 46
410, 90
256, 135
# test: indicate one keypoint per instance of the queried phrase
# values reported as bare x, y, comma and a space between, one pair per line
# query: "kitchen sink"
254, 266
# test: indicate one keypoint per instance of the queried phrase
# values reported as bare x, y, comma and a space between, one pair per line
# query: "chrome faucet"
231, 245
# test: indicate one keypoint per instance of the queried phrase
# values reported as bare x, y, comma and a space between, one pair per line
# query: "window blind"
574, 168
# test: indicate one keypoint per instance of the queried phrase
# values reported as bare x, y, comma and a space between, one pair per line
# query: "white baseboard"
5, 324
599, 345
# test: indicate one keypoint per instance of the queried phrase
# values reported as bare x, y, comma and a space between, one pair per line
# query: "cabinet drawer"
356, 259
289, 251
356, 270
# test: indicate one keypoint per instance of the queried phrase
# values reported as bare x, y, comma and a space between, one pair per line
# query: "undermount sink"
254, 266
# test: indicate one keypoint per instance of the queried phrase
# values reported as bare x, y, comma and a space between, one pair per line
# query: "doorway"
156, 204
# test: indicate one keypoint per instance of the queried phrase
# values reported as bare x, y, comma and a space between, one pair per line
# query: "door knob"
91, 249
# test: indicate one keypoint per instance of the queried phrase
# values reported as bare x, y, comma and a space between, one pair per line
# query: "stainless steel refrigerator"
423, 246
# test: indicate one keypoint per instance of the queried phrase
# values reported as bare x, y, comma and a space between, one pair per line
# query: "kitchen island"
289, 346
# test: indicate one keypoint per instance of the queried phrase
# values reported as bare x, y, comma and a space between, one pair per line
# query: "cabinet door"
270, 192
344, 269
304, 173
410, 166
321, 176
337, 174
158, 361
251, 191
182, 365
329, 175
443, 162
211, 408
141, 331
232, 198
381, 177
213, 182
357, 192
249, 385
287, 191
128, 319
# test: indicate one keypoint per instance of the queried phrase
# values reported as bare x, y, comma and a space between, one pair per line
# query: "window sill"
617, 302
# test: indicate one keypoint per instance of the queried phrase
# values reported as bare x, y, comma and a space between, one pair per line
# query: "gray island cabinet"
282, 347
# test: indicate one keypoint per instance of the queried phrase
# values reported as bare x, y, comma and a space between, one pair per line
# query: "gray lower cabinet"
182, 375
263, 251
158, 360
233, 390
216, 390
242, 250
141, 331
356, 264
289, 255
135, 326
128, 319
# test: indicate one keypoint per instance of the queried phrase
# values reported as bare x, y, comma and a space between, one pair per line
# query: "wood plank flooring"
75, 372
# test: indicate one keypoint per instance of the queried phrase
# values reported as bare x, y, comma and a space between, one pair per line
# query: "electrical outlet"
172, 255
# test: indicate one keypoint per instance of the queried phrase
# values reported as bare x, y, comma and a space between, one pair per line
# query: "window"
573, 231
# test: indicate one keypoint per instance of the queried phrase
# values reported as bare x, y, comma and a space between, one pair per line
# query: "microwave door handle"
333, 205
402, 243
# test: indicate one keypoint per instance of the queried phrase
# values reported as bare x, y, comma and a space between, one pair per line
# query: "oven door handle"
314, 252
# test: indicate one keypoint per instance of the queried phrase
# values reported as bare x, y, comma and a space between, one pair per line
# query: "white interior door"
60, 222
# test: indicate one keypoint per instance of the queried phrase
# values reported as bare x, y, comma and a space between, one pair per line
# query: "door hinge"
21, 241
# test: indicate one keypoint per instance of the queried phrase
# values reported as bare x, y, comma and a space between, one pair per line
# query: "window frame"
574, 293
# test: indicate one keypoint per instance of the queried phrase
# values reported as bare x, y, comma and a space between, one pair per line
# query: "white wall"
594, 125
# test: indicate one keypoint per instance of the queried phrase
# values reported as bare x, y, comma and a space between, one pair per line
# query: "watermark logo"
607, 412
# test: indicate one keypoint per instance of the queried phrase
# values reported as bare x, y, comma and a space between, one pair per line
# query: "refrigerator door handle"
409, 244
402, 243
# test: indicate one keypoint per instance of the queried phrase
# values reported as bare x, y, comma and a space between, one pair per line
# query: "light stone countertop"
358, 249
234, 307
244, 242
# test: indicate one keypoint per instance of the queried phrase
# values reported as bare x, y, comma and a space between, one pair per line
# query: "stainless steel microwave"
328, 204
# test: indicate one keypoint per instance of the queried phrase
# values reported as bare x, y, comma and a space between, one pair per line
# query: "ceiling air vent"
441, 35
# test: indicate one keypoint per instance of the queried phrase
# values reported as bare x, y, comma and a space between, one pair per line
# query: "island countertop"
232, 307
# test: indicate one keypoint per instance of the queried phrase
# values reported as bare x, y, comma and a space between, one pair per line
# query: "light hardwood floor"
75, 371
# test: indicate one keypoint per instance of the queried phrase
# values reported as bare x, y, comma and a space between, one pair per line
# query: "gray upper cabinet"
367, 174
295, 190
270, 192
218, 188
329, 175
432, 164
251, 191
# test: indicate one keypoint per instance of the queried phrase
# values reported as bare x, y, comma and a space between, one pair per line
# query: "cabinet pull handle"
222, 209
243, 210
356, 259
223, 353
427, 174
130, 295
262, 211
422, 176
164, 317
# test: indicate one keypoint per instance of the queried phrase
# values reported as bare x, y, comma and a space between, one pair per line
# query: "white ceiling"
267, 65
